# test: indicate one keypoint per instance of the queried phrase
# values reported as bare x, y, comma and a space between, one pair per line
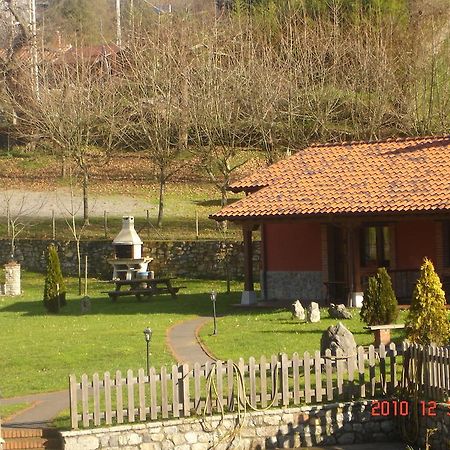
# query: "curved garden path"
184, 344
41, 412
182, 340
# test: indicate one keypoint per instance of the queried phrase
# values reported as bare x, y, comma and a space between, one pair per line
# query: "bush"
427, 321
380, 305
54, 287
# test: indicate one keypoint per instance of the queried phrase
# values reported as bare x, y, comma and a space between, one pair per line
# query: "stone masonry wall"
193, 259
440, 438
306, 426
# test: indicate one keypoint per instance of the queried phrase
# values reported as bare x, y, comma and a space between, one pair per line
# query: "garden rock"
339, 312
313, 312
338, 337
298, 311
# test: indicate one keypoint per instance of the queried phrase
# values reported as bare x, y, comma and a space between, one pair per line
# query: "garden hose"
241, 404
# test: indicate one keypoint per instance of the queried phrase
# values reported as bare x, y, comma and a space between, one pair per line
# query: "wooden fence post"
85, 399
119, 397
108, 406
73, 390
130, 392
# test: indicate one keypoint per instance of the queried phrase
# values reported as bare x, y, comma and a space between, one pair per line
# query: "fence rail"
427, 371
221, 387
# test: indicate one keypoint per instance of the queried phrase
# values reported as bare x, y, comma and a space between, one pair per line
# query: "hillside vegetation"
205, 93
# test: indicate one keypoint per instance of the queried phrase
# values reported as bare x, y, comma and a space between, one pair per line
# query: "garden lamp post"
148, 336
213, 299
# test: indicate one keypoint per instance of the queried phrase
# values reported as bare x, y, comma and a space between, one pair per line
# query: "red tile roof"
396, 175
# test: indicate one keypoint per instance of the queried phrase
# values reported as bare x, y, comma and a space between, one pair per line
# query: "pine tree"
380, 305
54, 287
427, 321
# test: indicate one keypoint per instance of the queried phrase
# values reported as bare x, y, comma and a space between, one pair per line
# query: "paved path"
182, 340
43, 409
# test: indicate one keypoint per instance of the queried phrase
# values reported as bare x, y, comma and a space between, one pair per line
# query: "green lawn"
9, 410
266, 332
40, 350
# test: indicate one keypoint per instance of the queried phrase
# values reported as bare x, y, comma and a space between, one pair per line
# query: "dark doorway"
337, 265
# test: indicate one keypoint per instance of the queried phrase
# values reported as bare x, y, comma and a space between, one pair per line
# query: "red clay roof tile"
384, 176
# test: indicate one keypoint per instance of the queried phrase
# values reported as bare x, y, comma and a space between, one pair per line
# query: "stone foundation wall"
193, 259
439, 439
295, 285
307, 426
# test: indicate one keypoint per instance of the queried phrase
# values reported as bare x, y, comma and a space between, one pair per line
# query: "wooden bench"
383, 332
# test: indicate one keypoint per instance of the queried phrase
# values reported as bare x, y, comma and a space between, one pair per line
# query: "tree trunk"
162, 186
224, 202
86, 197
63, 166
79, 266
13, 241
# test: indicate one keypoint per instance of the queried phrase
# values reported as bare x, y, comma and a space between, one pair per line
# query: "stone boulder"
298, 311
338, 336
313, 312
339, 312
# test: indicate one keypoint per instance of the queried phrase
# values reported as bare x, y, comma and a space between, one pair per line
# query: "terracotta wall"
414, 240
293, 246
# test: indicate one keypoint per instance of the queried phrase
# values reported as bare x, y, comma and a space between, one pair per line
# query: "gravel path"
42, 203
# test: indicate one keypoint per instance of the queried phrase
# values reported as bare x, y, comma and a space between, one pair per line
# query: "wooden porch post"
248, 258
356, 260
248, 296
354, 272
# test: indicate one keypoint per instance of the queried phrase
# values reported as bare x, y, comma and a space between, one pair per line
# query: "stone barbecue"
128, 262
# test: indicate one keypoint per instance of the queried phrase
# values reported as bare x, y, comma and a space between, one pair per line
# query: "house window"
375, 245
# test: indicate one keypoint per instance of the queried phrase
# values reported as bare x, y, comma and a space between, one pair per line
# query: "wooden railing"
427, 372
225, 386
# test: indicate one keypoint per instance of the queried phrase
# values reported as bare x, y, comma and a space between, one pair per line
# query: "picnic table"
144, 287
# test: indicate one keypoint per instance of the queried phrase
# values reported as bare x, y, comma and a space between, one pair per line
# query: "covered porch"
330, 261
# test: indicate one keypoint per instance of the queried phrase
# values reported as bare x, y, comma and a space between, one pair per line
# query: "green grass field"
40, 349
266, 332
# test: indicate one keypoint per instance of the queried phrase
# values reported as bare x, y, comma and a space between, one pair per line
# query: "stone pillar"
12, 278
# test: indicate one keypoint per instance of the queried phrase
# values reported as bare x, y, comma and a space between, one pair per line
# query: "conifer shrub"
54, 287
380, 305
427, 320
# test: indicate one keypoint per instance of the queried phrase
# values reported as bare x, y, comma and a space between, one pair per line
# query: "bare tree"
70, 215
20, 212
77, 111
156, 105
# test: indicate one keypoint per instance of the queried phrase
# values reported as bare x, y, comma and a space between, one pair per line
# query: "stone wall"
289, 285
440, 422
192, 259
306, 426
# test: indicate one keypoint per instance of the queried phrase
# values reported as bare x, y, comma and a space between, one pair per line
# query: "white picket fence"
212, 388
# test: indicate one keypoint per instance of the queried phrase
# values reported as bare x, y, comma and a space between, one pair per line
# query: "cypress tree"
427, 321
380, 305
54, 287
